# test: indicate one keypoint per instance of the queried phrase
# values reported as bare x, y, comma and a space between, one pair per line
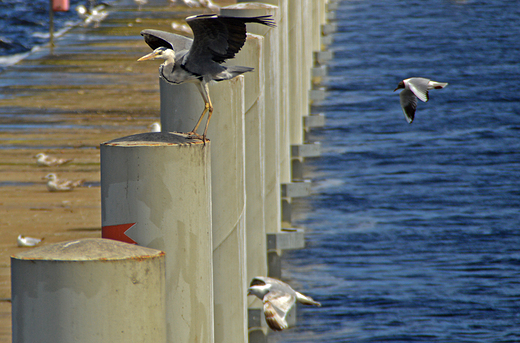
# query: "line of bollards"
203, 218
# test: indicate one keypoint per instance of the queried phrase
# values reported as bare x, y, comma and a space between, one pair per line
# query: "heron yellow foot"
194, 135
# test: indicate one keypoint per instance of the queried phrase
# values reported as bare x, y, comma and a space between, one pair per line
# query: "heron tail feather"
232, 72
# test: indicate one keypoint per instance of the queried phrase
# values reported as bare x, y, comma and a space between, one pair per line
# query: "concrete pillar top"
155, 139
89, 249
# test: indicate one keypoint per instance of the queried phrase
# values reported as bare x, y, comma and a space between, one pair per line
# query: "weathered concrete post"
258, 119
88, 290
226, 132
156, 191
297, 58
275, 74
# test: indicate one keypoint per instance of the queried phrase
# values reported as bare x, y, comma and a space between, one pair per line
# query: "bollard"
226, 131
282, 75
156, 192
88, 290
297, 58
253, 54
274, 107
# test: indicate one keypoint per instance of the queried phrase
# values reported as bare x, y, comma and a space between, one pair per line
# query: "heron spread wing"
157, 38
220, 38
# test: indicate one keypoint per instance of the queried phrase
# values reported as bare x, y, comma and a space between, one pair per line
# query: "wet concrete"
90, 90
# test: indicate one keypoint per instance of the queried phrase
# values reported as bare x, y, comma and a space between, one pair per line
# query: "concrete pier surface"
90, 90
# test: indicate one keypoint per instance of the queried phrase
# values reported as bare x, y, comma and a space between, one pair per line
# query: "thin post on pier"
51, 27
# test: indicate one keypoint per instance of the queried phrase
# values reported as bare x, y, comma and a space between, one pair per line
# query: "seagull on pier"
43, 160
278, 298
24, 241
56, 185
155, 127
198, 60
415, 88
92, 14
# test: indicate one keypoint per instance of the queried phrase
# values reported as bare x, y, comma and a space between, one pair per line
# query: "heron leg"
208, 107
210, 112
193, 133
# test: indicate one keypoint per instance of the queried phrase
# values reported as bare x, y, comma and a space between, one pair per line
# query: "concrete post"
226, 132
88, 290
155, 191
264, 99
296, 70
275, 73
283, 75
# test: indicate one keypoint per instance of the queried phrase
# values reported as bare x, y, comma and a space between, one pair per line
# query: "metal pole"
51, 27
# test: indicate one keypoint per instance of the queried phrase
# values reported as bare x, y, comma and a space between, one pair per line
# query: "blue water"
413, 233
25, 24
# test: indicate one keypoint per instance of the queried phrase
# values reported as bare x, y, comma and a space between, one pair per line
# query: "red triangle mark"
117, 232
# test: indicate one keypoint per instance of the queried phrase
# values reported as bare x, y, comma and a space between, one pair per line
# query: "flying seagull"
43, 160
198, 60
415, 87
278, 298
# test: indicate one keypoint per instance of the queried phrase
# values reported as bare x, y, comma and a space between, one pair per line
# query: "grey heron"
415, 88
278, 298
199, 60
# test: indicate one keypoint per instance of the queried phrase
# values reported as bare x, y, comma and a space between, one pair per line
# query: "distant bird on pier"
140, 4
43, 160
56, 185
198, 60
278, 298
197, 3
93, 14
415, 87
24, 241
155, 127
184, 28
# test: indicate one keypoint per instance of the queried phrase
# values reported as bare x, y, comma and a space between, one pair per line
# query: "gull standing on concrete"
198, 60
24, 241
155, 127
278, 298
415, 87
56, 185
44, 160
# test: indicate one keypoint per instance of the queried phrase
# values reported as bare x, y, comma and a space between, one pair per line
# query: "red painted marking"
117, 232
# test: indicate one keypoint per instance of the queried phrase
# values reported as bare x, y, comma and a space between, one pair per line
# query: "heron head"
160, 52
400, 85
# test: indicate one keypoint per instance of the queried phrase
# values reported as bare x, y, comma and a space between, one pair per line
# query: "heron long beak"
394, 89
150, 56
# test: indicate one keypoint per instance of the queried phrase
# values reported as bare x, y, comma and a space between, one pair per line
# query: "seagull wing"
218, 38
276, 306
157, 38
419, 87
409, 104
